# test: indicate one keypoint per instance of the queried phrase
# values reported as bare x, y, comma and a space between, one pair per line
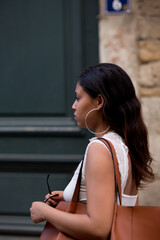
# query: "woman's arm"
96, 224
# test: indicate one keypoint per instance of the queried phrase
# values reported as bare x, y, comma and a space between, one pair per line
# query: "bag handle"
117, 175
74, 200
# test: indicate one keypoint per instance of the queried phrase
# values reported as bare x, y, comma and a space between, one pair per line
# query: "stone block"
150, 74
149, 50
149, 92
117, 43
151, 114
148, 7
150, 106
151, 194
148, 27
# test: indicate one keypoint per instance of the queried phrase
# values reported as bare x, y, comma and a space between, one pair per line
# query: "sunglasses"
47, 180
49, 190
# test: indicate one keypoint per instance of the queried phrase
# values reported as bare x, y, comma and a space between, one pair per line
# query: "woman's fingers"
51, 197
46, 197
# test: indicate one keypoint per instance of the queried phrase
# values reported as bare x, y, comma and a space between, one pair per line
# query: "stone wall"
149, 83
133, 42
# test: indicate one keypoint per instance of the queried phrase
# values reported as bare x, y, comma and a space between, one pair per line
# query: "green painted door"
44, 45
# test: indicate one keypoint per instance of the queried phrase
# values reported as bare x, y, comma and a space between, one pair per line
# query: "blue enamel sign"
117, 6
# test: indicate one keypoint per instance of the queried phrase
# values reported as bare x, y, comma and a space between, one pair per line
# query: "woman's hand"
54, 198
37, 211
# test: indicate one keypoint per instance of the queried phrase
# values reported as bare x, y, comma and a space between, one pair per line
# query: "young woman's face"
82, 105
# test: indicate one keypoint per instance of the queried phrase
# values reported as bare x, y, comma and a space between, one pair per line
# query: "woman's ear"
100, 100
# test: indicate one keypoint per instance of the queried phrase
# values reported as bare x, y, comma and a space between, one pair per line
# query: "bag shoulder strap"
117, 175
75, 197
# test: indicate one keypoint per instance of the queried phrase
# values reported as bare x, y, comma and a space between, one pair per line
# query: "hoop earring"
94, 109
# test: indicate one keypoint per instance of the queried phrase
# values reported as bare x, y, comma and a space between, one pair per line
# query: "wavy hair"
122, 111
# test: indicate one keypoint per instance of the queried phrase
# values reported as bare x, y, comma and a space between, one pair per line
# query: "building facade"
133, 42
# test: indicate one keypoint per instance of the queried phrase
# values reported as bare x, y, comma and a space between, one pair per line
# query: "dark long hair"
122, 111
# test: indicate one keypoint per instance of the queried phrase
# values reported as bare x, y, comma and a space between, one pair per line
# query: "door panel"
31, 186
32, 48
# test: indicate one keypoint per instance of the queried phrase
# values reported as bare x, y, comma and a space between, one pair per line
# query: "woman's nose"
74, 105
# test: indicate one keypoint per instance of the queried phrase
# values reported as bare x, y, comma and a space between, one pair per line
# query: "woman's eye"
77, 98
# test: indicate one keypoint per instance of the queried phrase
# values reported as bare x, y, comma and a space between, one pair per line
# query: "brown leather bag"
129, 223
132, 223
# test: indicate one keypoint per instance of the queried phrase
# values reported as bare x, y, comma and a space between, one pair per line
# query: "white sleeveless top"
122, 156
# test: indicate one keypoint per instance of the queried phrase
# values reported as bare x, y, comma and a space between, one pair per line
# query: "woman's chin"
79, 124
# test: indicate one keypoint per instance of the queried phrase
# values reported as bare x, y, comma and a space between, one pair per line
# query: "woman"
107, 106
